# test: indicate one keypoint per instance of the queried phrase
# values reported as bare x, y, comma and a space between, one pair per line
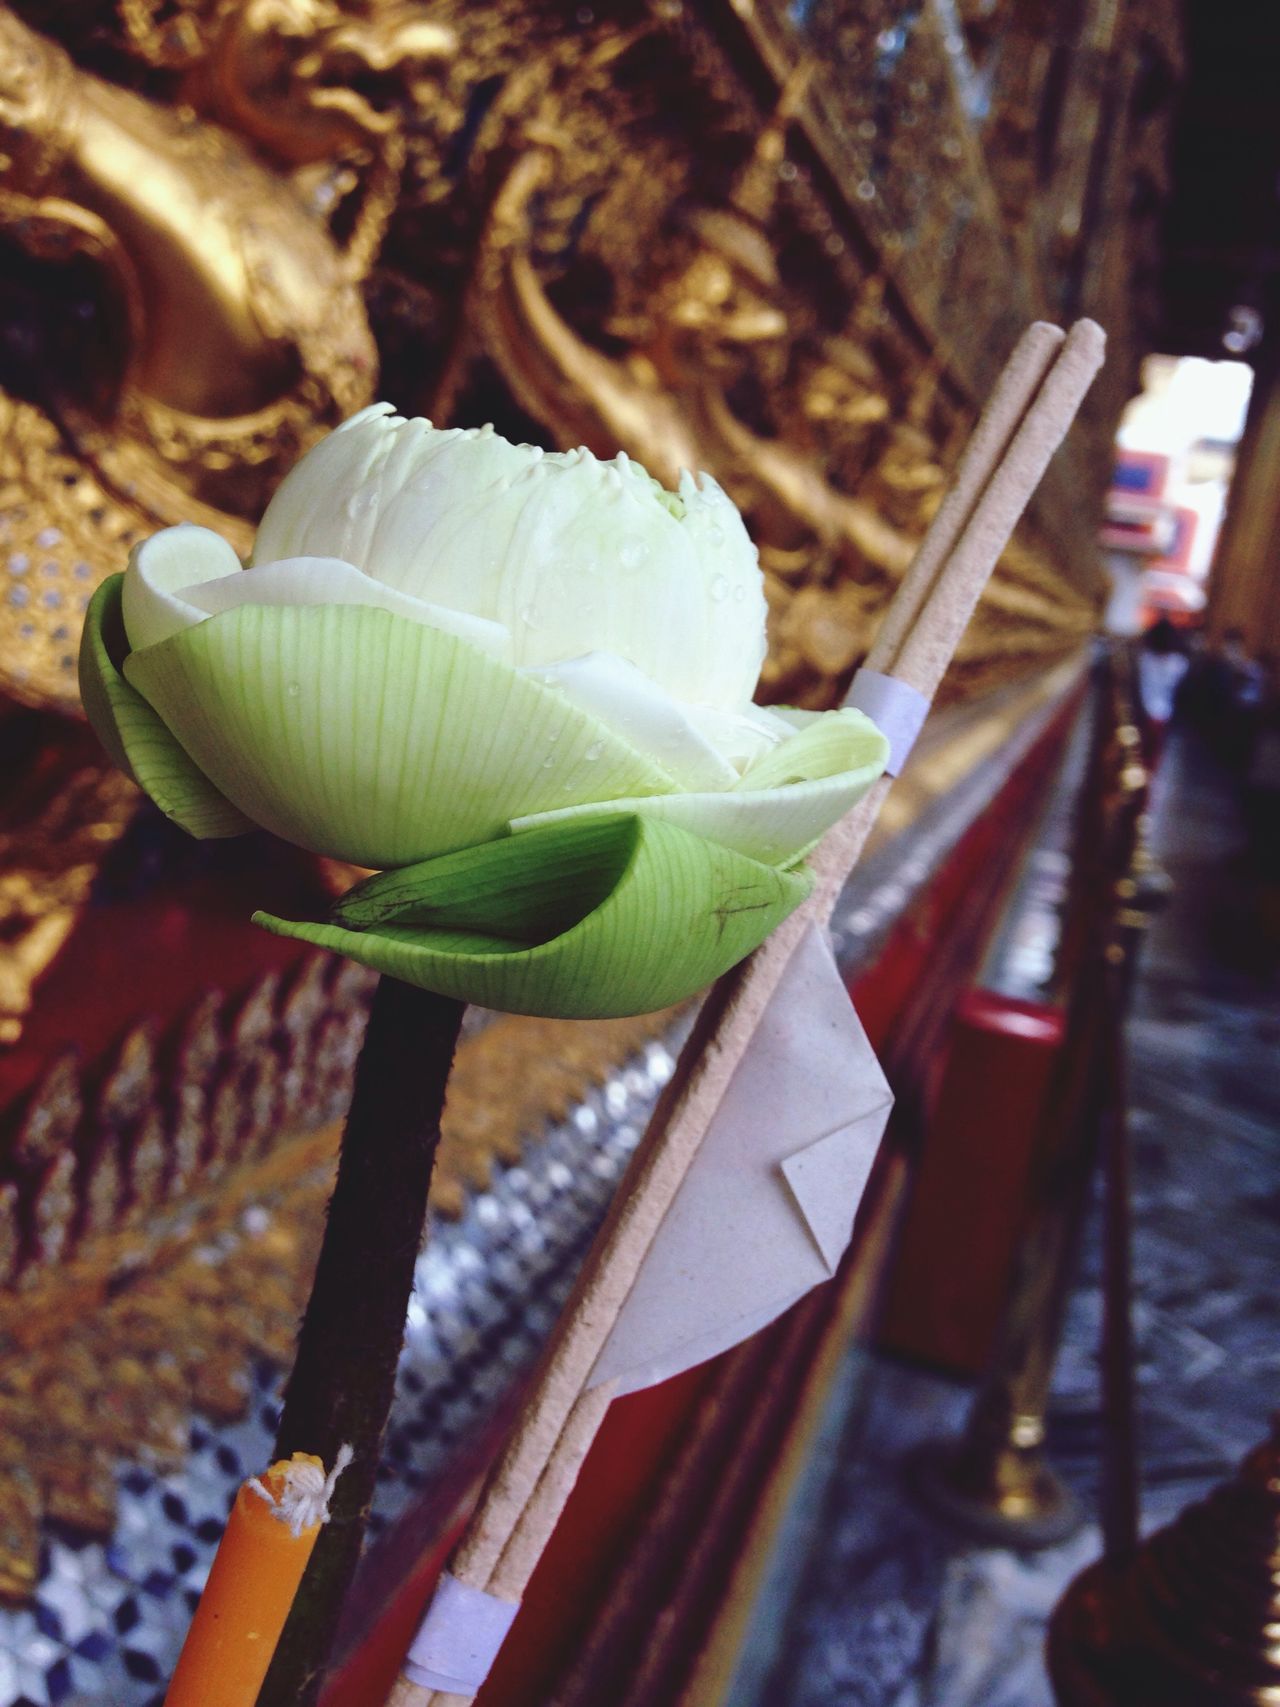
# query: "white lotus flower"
443, 639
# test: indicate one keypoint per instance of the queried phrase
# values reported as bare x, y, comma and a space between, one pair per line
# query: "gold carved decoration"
224, 217
498, 193
146, 1269
233, 332
785, 243
49, 858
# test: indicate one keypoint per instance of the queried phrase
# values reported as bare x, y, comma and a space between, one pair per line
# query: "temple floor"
875, 1603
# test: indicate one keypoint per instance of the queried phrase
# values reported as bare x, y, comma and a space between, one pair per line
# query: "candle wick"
305, 1491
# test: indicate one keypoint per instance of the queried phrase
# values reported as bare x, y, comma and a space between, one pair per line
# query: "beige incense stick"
927, 646
993, 432
535, 1475
1017, 441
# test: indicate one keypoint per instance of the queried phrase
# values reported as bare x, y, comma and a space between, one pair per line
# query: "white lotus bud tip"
383, 413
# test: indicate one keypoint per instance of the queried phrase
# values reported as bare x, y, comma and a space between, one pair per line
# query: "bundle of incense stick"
1026, 419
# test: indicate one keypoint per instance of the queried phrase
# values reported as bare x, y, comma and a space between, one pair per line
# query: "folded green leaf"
525, 889
587, 919
135, 736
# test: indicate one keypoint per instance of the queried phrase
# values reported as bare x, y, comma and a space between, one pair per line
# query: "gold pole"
995, 1481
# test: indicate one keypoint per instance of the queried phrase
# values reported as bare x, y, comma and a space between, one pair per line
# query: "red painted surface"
968, 1198
368, 1674
625, 1468
622, 1471
882, 991
625, 1464
153, 958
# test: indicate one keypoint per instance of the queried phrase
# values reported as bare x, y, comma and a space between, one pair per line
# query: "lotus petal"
569, 553
330, 581
825, 744
647, 718
135, 737
162, 570
833, 762
358, 734
582, 920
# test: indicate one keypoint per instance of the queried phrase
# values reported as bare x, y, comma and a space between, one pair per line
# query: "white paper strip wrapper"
459, 1638
766, 1211
896, 709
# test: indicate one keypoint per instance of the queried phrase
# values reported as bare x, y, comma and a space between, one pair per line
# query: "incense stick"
1027, 418
1015, 391
926, 646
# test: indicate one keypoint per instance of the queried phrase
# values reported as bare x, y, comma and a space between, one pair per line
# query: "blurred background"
792, 244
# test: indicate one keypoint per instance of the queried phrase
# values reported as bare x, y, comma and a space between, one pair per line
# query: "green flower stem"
344, 1374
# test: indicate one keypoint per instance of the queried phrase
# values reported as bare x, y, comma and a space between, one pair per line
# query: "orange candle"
259, 1563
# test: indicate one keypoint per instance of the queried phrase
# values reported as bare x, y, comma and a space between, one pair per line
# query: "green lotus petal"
359, 734
135, 737
524, 889
809, 782
575, 921
826, 744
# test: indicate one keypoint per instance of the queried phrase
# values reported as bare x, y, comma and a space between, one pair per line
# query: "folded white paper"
766, 1211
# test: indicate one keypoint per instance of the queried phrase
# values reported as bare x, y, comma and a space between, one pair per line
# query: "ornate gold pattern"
50, 852
804, 291
146, 1278
534, 239
786, 242
232, 332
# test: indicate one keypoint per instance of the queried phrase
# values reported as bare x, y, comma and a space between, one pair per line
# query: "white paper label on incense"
766, 1210
459, 1638
896, 708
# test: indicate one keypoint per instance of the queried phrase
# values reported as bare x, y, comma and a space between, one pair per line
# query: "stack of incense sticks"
1026, 419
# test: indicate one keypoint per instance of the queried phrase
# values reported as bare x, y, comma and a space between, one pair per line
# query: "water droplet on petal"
720, 588
548, 761
594, 751
739, 593
294, 689
633, 554
715, 535
528, 617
